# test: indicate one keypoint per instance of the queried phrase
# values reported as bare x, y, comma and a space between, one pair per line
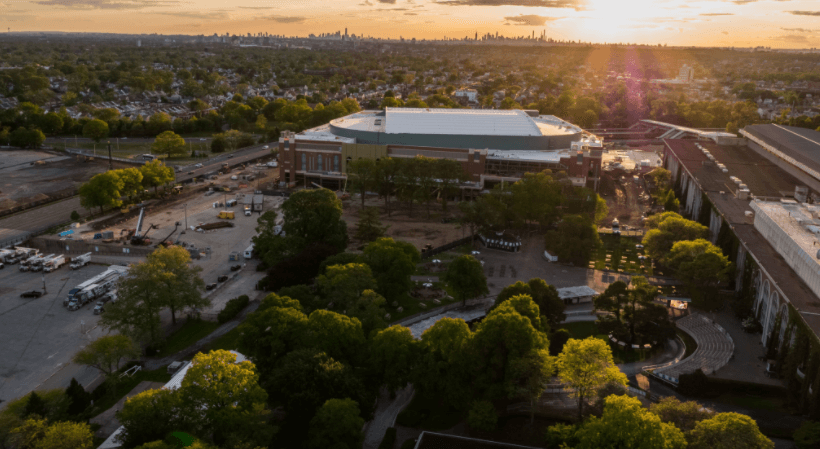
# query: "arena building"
493, 145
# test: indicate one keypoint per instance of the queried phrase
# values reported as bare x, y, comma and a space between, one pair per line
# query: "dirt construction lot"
22, 183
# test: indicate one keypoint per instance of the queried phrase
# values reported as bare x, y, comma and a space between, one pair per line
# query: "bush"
482, 416
808, 435
389, 439
408, 444
75, 216
232, 308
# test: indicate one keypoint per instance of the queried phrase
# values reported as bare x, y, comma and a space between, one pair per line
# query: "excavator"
162, 243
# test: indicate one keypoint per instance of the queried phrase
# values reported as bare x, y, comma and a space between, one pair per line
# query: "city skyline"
738, 23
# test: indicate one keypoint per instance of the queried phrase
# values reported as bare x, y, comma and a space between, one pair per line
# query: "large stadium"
458, 128
493, 145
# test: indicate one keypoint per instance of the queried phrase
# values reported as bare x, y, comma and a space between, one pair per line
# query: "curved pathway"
384, 417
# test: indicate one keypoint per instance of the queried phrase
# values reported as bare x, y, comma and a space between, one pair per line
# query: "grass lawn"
190, 333
429, 414
623, 256
411, 305
228, 342
107, 399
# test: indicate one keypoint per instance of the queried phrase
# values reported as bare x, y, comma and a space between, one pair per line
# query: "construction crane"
139, 237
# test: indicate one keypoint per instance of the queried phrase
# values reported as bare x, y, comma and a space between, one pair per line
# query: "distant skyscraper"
687, 74
139, 43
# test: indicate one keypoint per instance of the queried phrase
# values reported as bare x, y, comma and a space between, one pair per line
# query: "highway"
212, 165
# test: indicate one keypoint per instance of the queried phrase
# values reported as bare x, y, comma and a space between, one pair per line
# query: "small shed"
550, 257
576, 295
248, 252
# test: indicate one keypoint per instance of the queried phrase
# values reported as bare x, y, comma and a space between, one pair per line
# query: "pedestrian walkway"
715, 348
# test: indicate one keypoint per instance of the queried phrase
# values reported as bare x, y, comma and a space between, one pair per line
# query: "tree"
106, 353
131, 179
392, 264
79, 399
393, 355
35, 406
306, 378
466, 276
699, 262
218, 144
102, 190
625, 423
26, 138
276, 329
807, 436
586, 365
369, 227
341, 285
450, 174
158, 123
543, 294
337, 335
482, 416
728, 431
575, 240
683, 415
67, 435
52, 123
155, 174
224, 396
443, 370
139, 301
363, 176
314, 216
168, 142
95, 130
658, 242
177, 284
151, 415
535, 199
662, 178
337, 425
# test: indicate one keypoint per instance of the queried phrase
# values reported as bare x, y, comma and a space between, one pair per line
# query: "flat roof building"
493, 146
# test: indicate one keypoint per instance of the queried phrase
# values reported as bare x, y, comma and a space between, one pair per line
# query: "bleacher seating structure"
715, 348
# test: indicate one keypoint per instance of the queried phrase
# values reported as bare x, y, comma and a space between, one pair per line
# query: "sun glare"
615, 21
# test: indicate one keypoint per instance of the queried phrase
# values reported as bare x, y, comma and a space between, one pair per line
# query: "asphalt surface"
213, 165
39, 336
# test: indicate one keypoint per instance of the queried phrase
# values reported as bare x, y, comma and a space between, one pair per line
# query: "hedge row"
389, 439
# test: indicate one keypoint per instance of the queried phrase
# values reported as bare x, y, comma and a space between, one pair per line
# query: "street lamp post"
186, 215
110, 161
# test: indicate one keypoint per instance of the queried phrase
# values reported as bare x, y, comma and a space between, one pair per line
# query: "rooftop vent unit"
801, 193
742, 186
724, 170
743, 194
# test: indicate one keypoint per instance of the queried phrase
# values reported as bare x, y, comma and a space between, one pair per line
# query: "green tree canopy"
585, 366
168, 142
337, 425
466, 277
575, 239
106, 353
392, 263
658, 242
393, 355
699, 262
728, 431
625, 423
543, 294
155, 174
683, 415
95, 130
103, 190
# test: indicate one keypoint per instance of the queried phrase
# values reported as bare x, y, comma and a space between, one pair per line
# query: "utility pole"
44, 283
110, 161
186, 215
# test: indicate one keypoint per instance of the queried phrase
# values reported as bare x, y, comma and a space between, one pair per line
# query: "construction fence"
69, 247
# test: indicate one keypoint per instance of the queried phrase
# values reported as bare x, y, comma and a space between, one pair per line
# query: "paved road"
35, 220
212, 165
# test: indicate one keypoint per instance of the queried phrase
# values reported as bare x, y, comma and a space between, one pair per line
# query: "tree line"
107, 189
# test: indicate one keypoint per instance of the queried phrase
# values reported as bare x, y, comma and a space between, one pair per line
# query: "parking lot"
39, 336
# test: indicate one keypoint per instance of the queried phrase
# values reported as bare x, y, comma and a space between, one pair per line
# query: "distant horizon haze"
737, 23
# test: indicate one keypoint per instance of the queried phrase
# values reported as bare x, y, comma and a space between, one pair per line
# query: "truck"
248, 210
38, 264
31, 263
89, 294
55, 263
109, 276
80, 261
226, 214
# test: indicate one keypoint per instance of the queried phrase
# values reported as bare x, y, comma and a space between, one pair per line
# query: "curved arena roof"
457, 128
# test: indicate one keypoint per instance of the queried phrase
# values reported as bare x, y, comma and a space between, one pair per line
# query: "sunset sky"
774, 23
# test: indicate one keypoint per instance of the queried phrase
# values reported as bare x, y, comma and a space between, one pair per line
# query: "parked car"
236, 267
230, 156
31, 294
222, 278
197, 165
210, 286
99, 308
190, 172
